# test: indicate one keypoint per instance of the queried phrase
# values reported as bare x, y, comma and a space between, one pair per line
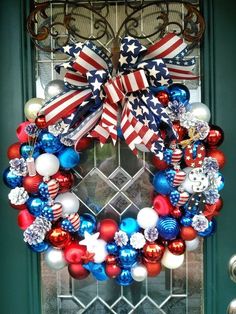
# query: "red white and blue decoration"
144, 104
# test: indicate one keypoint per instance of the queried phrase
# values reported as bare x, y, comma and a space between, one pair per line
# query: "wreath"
142, 106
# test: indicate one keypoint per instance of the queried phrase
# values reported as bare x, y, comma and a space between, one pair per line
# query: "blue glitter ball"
26, 150
11, 180
186, 221
50, 143
168, 228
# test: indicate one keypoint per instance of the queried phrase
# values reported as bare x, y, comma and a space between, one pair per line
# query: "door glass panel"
112, 182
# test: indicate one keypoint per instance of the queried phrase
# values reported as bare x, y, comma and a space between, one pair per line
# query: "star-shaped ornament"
90, 240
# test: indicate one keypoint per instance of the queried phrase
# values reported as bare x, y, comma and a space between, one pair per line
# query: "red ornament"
215, 137
177, 246
110, 259
212, 210
112, 270
107, 229
218, 155
31, 184
83, 144
162, 205
163, 97
74, 252
40, 121
24, 219
188, 233
88, 257
153, 268
20, 132
159, 164
18, 207
65, 179
176, 212
181, 131
153, 251
13, 151
59, 238
77, 271
194, 159
219, 204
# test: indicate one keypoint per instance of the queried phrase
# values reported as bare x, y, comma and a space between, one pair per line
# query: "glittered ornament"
18, 166
65, 180
151, 234
137, 240
21, 133
31, 184
163, 97
168, 228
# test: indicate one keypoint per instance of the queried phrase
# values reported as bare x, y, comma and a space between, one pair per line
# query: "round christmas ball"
65, 179
21, 133
83, 144
112, 270
219, 204
112, 248
176, 212
24, 219
41, 122
87, 223
153, 268
158, 163
50, 143
54, 259
127, 256
192, 245
73, 252
111, 259
77, 271
139, 272
177, 246
218, 155
188, 233
181, 131
26, 150
70, 203
68, 158
179, 92
18, 207
13, 151
31, 184
10, 179
215, 137
107, 229
162, 205
124, 278
47, 164
32, 108
129, 225
53, 88
39, 247
172, 261
163, 97
59, 238
168, 227
153, 252
210, 230
147, 218
200, 111
35, 205
161, 183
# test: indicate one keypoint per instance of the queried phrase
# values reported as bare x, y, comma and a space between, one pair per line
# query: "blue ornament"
220, 181
157, 89
87, 223
186, 221
35, 206
68, 158
26, 150
210, 230
168, 228
161, 183
129, 225
11, 180
43, 190
124, 278
40, 247
97, 270
127, 256
50, 143
179, 92
112, 248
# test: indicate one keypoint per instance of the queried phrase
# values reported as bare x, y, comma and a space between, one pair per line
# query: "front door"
21, 283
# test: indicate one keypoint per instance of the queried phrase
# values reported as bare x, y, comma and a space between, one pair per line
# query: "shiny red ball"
176, 212
107, 228
83, 144
112, 270
181, 131
218, 155
215, 137
188, 233
219, 204
162, 205
59, 238
74, 252
163, 97
40, 121
159, 164
13, 151
153, 268
18, 207
77, 271
177, 246
153, 251
24, 219
20, 132
65, 179
110, 259
31, 184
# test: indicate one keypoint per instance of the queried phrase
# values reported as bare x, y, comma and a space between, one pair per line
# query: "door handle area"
232, 268
232, 307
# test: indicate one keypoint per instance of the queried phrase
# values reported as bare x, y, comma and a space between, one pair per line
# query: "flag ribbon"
94, 95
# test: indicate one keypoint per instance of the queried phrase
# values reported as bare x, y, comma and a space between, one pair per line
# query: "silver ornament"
192, 244
200, 111
32, 107
54, 258
54, 88
18, 196
139, 272
137, 240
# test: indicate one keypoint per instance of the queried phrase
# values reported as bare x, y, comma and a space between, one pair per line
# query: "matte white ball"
32, 107
200, 111
100, 251
172, 261
47, 164
147, 217
193, 244
139, 272
70, 203
54, 88
54, 258
187, 185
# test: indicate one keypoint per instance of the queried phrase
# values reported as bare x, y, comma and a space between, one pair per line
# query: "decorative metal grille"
111, 181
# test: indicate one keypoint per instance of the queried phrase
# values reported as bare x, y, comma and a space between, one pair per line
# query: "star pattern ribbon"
97, 98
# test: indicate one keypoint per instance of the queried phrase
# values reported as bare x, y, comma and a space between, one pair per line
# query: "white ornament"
137, 240
196, 180
139, 272
47, 164
192, 244
70, 203
90, 240
172, 261
100, 251
200, 111
54, 258
147, 217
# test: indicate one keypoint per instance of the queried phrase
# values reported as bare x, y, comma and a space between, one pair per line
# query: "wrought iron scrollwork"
50, 31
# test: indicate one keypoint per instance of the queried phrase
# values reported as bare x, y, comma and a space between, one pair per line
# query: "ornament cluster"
187, 186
